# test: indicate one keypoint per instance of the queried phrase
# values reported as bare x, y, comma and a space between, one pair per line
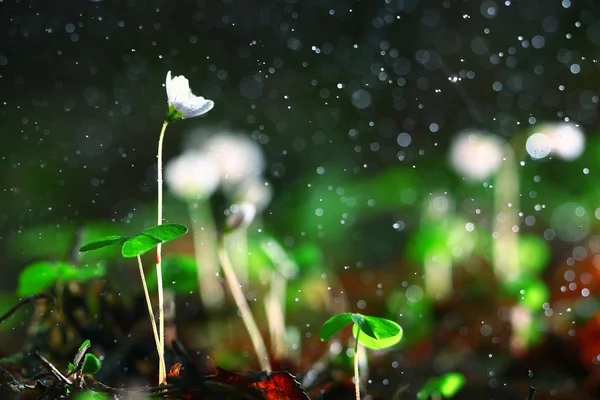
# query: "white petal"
195, 106
168, 86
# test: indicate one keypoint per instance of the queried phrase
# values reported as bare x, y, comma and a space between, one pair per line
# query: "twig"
24, 301
531, 393
57, 374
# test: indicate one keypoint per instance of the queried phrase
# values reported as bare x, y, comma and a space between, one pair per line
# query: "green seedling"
84, 363
372, 332
442, 387
135, 246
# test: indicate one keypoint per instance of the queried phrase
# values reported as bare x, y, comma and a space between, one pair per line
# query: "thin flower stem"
162, 373
356, 376
151, 313
240, 300
205, 252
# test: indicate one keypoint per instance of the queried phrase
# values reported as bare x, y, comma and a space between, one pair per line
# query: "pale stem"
150, 313
506, 218
162, 373
356, 376
205, 251
275, 307
238, 246
240, 300
438, 275
275, 299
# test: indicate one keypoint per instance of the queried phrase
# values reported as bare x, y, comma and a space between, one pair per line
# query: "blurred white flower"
567, 140
182, 102
238, 158
192, 175
476, 155
538, 145
241, 216
255, 191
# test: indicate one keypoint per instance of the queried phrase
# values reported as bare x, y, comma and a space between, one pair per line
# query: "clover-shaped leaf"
140, 243
378, 333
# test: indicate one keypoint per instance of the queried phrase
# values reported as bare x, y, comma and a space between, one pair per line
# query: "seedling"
84, 363
372, 332
442, 387
135, 246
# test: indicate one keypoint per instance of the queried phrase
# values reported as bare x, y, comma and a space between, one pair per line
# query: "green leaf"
71, 367
446, 386
387, 333
71, 273
451, 383
335, 324
534, 295
360, 321
150, 238
379, 333
38, 277
80, 353
103, 242
534, 253
91, 364
179, 274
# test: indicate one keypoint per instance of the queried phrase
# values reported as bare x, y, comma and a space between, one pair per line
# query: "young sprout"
371, 332
134, 247
182, 104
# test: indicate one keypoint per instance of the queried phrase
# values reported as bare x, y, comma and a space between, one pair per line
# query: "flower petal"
168, 87
195, 106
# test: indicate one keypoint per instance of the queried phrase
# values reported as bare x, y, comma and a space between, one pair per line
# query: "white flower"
476, 155
192, 175
182, 102
567, 140
237, 157
255, 191
242, 215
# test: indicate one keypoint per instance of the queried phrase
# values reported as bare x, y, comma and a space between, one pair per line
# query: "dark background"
82, 101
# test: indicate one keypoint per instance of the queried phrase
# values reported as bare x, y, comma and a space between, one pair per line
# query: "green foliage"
534, 253
445, 386
54, 242
534, 294
378, 333
103, 242
530, 291
91, 364
139, 243
150, 238
91, 395
448, 236
42, 275
308, 256
414, 313
179, 274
